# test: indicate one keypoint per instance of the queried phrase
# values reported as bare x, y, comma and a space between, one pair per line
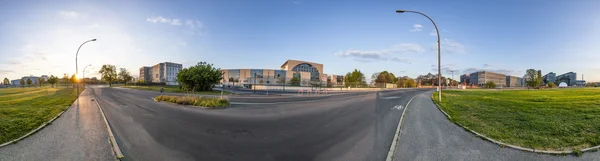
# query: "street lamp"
83, 77
76, 67
438, 43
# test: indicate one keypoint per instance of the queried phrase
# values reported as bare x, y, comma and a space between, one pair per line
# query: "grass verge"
194, 100
174, 89
554, 119
24, 109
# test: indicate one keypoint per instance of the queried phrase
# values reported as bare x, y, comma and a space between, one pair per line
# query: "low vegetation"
24, 109
194, 100
174, 89
553, 119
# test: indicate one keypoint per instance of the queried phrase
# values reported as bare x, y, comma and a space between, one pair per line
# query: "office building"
308, 74
481, 77
146, 74
569, 78
512, 81
16, 82
34, 80
161, 73
550, 77
464, 79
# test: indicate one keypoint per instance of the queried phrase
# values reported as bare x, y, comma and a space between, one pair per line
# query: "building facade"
146, 74
464, 79
512, 81
550, 77
292, 72
16, 82
569, 78
481, 77
161, 73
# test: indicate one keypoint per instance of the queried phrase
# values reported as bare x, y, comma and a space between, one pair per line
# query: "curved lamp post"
438, 43
76, 67
83, 77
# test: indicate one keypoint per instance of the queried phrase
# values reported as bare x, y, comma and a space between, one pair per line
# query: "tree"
53, 80
109, 73
42, 81
385, 77
354, 78
73, 80
28, 82
551, 85
533, 78
410, 83
295, 81
65, 79
201, 77
124, 75
6, 81
490, 84
22, 81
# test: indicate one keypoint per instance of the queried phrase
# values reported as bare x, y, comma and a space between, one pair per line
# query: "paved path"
353, 127
428, 135
79, 134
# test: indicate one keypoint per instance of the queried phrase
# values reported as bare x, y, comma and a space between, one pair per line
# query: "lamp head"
400, 11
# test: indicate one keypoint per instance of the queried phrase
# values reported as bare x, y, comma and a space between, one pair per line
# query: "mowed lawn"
24, 109
551, 119
173, 89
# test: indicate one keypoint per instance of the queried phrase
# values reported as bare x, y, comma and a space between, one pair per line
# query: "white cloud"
195, 26
433, 33
416, 28
175, 22
158, 19
69, 14
388, 54
450, 47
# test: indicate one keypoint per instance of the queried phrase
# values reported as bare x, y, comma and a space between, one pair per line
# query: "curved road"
428, 135
341, 127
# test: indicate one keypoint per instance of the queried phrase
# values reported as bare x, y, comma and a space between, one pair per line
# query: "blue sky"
41, 37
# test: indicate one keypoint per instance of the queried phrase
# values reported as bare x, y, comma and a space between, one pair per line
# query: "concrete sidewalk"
79, 134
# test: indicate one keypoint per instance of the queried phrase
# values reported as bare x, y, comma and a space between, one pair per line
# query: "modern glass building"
292, 72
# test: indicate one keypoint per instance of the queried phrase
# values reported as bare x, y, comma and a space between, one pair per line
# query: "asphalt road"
339, 127
428, 135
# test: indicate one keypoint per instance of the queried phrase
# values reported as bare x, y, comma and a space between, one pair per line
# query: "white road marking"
395, 140
393, 97
398, 107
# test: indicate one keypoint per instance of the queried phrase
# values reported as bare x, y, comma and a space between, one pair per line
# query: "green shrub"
194, 100
551, 85
490, 84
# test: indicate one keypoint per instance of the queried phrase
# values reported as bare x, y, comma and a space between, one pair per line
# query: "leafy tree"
73, 80
201, 77
65, 79
295, 81
109, 73
385, 77
410, 83
551, 85
124, 75
22, 81
53, 80
42, 81
28, 82
490, 84
533, 78
354, 78
6, 81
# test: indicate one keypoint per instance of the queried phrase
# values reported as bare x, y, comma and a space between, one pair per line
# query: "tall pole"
452, 71
76, 66
439, 55
82, 77
254, 86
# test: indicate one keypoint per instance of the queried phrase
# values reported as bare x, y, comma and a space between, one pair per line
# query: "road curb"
394, 144
111, 136
502, 144
37, 129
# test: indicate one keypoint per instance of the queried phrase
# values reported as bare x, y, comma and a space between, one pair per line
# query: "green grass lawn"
173, 89
552, 119
24, 109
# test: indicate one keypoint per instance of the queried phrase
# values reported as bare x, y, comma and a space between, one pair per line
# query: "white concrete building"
161, 73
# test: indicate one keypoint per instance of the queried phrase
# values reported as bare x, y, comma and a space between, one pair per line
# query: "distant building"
481, 77
569, 78
550, 77
308, 73
580, 83
45, 77
34, 80
512, 81
165, 73
146, 74
465, 79
16, 82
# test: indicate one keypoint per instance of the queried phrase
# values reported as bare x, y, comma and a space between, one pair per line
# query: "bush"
490, 84
551, 85
194, 100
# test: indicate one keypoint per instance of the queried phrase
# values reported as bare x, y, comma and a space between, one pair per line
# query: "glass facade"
314, 73
258, 73
234, 75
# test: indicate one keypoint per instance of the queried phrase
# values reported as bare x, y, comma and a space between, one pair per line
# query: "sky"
508, 36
